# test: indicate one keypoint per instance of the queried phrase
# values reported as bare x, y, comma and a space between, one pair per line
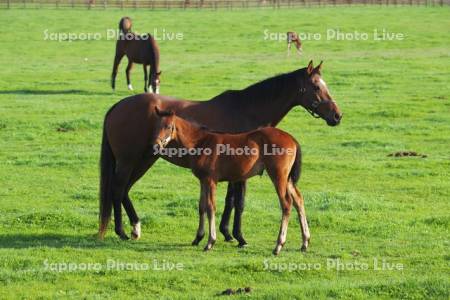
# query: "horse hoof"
122, 235
303, 249
277, 249
100, 235
209, 245
228, 239
130, 87
136, 231
197, 240
242, 244
241, 241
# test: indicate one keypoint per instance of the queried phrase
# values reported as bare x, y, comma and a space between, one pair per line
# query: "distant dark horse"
140, 49
129, 132
212, 165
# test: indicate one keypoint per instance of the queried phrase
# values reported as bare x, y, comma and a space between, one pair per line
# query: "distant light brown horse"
292, 37
140, 49
129, 133
216, 157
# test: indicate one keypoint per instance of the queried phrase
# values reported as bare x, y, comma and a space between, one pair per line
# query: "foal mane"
202, 127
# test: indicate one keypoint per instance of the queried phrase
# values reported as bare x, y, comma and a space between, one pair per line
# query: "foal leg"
299, 48
145, 78
202, 210
120, 182
239, 201
285, 203
127, 71
229, 204
201, 224
299, 206
210, 189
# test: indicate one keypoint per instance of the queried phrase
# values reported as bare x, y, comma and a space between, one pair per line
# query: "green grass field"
361, 204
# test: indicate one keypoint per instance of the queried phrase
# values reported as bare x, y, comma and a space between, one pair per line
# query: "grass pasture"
362, 205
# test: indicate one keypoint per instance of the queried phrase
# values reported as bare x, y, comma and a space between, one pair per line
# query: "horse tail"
296, 169
125, 25
107, 166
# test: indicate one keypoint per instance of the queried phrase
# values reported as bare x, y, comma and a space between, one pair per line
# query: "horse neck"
188, 135
271, 110
155, 58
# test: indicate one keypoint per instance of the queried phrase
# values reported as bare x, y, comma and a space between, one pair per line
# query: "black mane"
267, 89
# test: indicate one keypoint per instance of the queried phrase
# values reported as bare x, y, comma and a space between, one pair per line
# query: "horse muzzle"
334, 119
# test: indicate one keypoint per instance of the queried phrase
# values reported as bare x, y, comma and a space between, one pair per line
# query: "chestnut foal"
216, 157
292, 37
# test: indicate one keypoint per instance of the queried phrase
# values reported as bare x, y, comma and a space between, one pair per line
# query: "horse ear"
158, 112
163, 113
310, 67
319, 67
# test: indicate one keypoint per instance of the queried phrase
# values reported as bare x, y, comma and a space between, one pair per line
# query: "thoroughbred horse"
268, 148
140, 49
293, 37
129, 133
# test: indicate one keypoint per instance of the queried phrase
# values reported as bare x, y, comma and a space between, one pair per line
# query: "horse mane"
267, 89
207, 129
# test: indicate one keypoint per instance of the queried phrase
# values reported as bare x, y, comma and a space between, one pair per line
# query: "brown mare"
139, 49
292, 37
129, 132
269, 149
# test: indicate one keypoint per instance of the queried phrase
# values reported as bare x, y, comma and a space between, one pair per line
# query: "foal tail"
125, 25
107, 166
296, 169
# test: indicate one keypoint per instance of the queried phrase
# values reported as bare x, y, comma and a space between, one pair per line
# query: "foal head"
166, 127
315, 96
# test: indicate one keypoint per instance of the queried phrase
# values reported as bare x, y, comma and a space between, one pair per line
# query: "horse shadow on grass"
53, 92
54, 240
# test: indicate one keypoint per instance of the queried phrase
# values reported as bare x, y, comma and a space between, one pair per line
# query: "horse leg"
239, 201
280, 182
127, 72
117, 58
202, 208
229, 204
209, 190
137, 173
299, 48
299, 206
120, 182
150, 86
201, 224
145, 78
